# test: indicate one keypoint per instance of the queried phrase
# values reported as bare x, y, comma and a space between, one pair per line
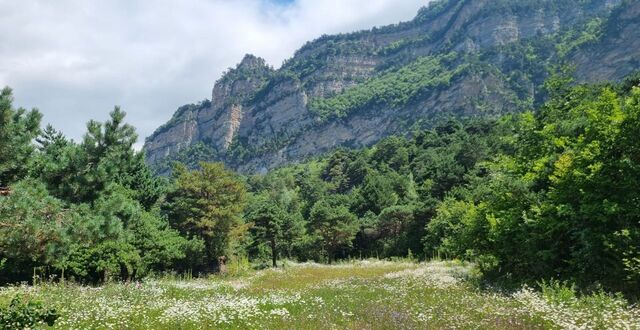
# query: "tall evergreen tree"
268, 223
335, 226
18, 128
207, 204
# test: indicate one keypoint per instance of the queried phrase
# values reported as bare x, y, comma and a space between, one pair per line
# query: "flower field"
357, 295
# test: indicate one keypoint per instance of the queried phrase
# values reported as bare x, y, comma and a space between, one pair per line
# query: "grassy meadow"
353, 295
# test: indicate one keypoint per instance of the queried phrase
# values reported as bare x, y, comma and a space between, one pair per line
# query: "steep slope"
617, 53
456, 58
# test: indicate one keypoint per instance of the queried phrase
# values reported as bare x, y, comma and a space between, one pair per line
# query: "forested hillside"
457, 58
550, 194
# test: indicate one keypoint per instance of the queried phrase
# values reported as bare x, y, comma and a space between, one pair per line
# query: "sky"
75, 60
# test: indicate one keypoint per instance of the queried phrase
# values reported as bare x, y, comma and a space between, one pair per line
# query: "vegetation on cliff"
393, 89
456, 58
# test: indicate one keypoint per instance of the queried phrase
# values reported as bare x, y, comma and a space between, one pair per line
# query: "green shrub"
238, 265
21, 314
558, 292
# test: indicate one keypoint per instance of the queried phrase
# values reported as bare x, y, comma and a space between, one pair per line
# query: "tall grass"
368, 294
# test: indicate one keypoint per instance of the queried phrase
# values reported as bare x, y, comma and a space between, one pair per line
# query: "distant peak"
251, 60
249, 57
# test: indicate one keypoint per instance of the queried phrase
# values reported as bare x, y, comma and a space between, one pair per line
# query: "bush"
558, 292
238, 265
22, 314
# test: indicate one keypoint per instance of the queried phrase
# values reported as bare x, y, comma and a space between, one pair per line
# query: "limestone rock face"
222, 120
260, 118
180, 132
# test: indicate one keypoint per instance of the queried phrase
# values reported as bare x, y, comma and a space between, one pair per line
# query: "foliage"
558, 205
190, 157
17, 128
394, 223
268, 222
207, 204
250, 67
80, 173
393, 89
31, 227
334, 225
574, 39
21, 314
537, 195
87, 211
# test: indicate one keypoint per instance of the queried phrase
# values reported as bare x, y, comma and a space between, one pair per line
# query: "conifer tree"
207, 204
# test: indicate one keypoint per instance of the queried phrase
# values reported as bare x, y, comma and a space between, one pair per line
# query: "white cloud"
75, 60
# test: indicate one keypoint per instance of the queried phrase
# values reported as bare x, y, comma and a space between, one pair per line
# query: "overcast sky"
75, 60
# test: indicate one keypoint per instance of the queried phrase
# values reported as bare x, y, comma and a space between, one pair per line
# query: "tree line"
94, 211
538, 195
551, 194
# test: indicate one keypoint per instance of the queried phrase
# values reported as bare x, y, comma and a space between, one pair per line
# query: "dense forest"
539, 195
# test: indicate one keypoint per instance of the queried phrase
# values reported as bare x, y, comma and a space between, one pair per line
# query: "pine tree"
207, 204
17, 129
268, 223
335, 226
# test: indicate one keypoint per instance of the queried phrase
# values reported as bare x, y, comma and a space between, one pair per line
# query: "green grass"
359, 295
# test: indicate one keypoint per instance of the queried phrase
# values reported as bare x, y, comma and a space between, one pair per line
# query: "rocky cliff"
461, 58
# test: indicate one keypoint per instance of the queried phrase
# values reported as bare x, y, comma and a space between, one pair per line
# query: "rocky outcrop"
618, 51
220, 123
231, 126
180, 132
260, 118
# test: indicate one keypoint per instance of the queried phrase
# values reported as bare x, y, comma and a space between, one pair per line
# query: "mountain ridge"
457, 58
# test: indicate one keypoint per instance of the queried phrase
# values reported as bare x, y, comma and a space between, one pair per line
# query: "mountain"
461, 58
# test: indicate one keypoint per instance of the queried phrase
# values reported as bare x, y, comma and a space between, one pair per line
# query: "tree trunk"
274, 255
222, 266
